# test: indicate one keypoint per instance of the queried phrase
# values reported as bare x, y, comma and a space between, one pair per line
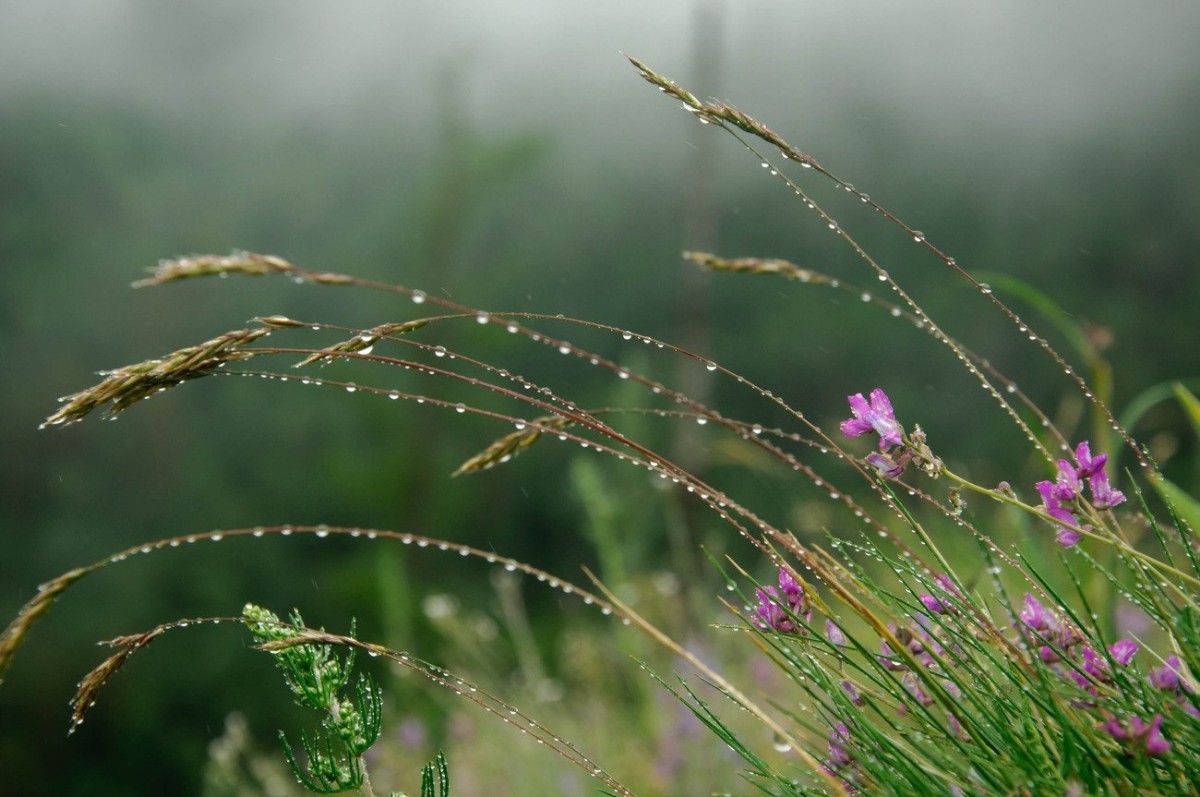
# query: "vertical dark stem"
694, 301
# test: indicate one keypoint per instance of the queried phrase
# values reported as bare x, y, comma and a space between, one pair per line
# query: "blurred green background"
507, 156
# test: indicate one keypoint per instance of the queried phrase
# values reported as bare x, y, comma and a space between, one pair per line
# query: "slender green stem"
1109, 539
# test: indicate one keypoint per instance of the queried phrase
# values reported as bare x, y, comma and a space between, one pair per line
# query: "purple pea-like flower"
1068, 484
877, 416
834, 634
888, 466
1036, 616
1138, 729
1123, 651
1088, 465
1066, 537
1167, 677
770, 611
852, 692
932, 603
1067, 488
1094, 665
1156, 744
792, 590
1103, 495
939, 605
840, 755
1149, 734
778, 608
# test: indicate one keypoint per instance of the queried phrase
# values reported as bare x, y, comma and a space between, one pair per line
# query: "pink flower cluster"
1060, 498
778, 609
1064, 648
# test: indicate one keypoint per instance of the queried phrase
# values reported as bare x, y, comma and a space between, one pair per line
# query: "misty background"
508, 157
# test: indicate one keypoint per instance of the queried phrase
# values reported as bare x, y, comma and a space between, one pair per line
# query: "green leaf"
1191, 405
1186, 508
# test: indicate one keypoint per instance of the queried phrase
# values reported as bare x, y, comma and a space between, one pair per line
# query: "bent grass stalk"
967, 691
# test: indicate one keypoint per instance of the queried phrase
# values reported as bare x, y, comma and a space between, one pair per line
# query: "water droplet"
460, 407
918, 236
350, 388
702, 421
418, 297
711, 366
439, 351
564, 348
482, 318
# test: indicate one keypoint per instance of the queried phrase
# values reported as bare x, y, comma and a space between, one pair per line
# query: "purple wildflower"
932, 604
1050, 502
1092, 469
888, 658
1123, 651
1103, 495
875, 416
1149, 734
1060, 496
1094, 664
778, 608
888, 466
840, 756
1048, 628
940, 605
1088, 465
1068, 484
1156, 745
852, 691
834, 634
1168, 677
771, 613
791, 590
1035, 615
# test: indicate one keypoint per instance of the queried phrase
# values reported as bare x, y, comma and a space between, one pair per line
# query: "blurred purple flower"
932, 604
1149, 734
834, 634
840, 756
1167, 677
852, 692
1035, 615
1123, 651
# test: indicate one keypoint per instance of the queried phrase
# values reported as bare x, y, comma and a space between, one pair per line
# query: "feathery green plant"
901, 664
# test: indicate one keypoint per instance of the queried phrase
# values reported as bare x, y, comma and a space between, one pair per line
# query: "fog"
1025, 69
